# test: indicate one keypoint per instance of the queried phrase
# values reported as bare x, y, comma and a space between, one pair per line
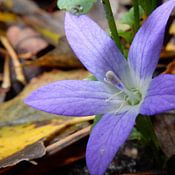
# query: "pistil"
130, 97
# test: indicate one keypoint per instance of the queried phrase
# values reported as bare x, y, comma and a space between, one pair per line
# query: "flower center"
129, 96
133, 96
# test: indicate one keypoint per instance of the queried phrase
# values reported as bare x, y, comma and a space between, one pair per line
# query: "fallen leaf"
62, 56
32, 15
7, 17
33, 151
15, 138
15, 111
21, 142
25, 39
164, 126
170, 69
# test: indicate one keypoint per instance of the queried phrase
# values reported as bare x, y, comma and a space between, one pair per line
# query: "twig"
25, 56
70, 122
51, 149
79, 120
3, 51
18, 68
6, 75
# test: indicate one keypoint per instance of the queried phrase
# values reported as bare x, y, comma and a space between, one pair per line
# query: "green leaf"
127, 35
128, 18
77, 7
96, 120
135, 134
145, 127
148, 6
91, 77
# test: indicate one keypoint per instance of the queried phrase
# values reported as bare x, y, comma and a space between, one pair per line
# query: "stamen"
120, 107
115, 95
113, 79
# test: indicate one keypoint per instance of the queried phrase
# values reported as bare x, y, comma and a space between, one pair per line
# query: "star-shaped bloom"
123, 90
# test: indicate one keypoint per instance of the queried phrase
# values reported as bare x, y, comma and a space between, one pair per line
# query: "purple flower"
123, 90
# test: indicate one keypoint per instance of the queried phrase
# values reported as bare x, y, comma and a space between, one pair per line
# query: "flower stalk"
154, 4
111, 23
136, 16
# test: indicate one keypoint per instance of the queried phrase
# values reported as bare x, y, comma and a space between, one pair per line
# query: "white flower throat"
130, 96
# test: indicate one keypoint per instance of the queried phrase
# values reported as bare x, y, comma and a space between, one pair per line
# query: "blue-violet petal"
160, 96
95, 49
146, 46
73, 98
106, 138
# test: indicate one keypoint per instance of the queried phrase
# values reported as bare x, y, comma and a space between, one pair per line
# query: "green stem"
154, 4
136, 16
111, 23
145, 126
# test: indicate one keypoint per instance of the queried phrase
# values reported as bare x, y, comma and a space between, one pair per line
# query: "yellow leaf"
7, 17
15, 138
